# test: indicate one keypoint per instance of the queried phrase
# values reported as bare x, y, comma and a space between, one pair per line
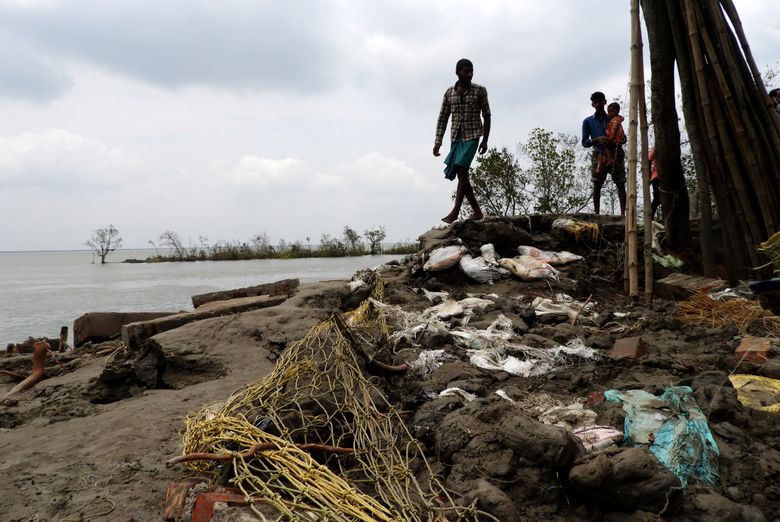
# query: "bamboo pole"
646, 196
633, 110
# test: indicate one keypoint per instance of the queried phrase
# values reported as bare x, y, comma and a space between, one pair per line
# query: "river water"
42, 291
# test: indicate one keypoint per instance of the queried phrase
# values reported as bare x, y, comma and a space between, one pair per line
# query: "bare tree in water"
103, 241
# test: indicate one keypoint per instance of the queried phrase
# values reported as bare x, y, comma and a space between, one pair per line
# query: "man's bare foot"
476, 217
449, 219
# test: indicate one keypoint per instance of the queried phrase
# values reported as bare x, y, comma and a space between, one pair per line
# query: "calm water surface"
42, 291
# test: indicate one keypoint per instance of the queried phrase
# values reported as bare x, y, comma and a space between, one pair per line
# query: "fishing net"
316, 401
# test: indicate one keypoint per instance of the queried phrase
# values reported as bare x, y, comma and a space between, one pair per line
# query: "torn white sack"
544, 306
551, 258
528, 268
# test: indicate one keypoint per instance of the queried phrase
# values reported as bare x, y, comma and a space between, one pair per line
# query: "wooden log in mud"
283, 287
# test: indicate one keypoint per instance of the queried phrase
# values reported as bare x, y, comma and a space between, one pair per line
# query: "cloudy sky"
228, 118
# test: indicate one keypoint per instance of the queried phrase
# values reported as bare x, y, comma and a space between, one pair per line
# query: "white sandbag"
564, 223
528, 268
444, 258
551, 258
480, 270
489, 253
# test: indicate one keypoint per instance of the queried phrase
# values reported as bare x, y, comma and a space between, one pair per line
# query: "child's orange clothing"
653, 168
615, 137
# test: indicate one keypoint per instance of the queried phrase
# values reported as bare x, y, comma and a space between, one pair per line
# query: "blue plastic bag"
674, 427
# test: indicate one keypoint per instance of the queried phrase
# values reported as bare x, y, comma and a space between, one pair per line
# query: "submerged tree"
103, 241
172, 240
375, 236
351, 238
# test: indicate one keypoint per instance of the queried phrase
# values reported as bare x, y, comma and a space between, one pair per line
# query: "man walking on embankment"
465, 101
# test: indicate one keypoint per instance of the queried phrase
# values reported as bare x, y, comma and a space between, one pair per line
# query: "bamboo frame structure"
735, 135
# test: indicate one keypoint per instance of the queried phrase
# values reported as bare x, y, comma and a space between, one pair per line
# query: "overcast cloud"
225, 119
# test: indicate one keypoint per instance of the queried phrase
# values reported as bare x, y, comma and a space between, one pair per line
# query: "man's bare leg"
621, 190
469, 193
453, 215
597, 195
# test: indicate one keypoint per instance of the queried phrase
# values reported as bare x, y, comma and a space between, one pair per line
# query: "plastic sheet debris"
668, 261
356, 285
408, 326
551, 258
480, 270
504, 395
596, 438
457, 392
444, 258
428, 361
528, 268
446, 310
578, 229
657, 229
496, 359
757, 393
499, 332
562, 304
451, 308
573, 417
674, 427
434, 297
498, 356
569, 416
723, 295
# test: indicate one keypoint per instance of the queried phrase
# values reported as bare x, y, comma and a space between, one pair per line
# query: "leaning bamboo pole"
724, 58
718, 177
718, 130
689, 90
633, 110
736, 23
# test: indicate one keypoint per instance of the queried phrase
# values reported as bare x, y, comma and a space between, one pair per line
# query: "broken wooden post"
63, 339
39, 359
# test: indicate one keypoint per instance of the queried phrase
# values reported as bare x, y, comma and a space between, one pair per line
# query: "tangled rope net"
289, 435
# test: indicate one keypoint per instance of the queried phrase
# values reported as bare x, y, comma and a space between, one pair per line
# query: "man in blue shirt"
594, 130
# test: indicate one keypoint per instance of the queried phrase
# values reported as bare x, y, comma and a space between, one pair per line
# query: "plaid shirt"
465, 109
